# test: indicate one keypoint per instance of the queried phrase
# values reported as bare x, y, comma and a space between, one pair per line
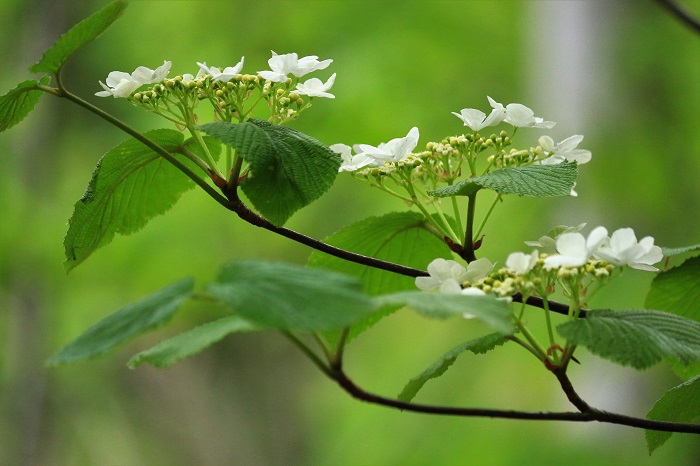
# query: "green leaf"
679, 404
677, 290
126, 323
531, 180
635, 338
130, 185
476, 346
78, 36
288, 169
291, 297
494, 312
190, 343
18, 102
668, 252
399, 237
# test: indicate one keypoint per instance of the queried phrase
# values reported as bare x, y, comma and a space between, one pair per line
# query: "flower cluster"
517, 115
121, 84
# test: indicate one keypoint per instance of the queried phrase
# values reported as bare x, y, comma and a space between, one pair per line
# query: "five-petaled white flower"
520, 116
447, 276
314, 87
522, 263
216, 74
282, 65
623, 249
476, 119
121, 84
574, 249
393, 151
350, 163
565, 150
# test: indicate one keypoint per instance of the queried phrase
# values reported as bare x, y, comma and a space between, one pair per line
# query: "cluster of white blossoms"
517, 115
122, 85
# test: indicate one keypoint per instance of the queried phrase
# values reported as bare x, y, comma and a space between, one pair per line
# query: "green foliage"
130, 185
679, 404
635, 338
398, 237
291, 297
677, 290
288, 169
78, 36
531, 180
126, 323
668, 252
16, 103
191, 342
477, 346
494, 312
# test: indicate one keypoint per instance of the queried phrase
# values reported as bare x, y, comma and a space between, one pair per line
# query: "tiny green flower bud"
219, 93
137, 96
293, 95
280, 92
503, 133
230, 85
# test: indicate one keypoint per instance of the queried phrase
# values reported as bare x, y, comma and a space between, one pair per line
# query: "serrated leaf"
494, 312
668, 252
291, 297
191, 342
399, 237
16, 103
126, 323
476, 346
130, 185
288, 169
531, 180
78, 36
677, 290
635, 338
679, 404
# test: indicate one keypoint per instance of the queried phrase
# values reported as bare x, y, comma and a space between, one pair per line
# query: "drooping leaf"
668, 252
494, 312
288, 169
126, 323
291, 297
476, 346
531, 180
677, 290
130, 185
18, 102
679, 404
636, 338
77, 37
191, 342
399, 237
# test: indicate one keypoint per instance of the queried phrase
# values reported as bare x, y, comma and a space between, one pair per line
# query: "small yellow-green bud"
137, 96
219, 93
230, 85
280, 92
293, 95
300, 101
503, 133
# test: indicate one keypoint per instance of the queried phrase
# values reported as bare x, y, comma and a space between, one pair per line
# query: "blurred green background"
624, 73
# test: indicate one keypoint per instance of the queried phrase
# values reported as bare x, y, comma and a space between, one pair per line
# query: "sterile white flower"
623, 249
478, 270
121, 84
574, 249
522, 263
476, 119
565, 150
282, 65
216, 74
445, 275
314, 87
522, 117
394, 150
350, 163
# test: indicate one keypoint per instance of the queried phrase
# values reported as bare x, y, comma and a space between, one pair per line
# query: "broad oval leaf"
18, 102
130, 185
126, 323
635, 338
78, 36
191, 342
476, 346
679, 404
288, 169
494, 312
530, 180
291, 297
677, 290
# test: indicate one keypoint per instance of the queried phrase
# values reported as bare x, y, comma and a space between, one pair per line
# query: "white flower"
350, 163
314, 87
121, 84
549, 241
445, 275
478, 270
282, 65
476, 119
394, 150
216, 74
574, 249
623, 249
520, 116
522, 263
565, 150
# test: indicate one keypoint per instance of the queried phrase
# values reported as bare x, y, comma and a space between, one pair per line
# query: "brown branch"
681, 14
